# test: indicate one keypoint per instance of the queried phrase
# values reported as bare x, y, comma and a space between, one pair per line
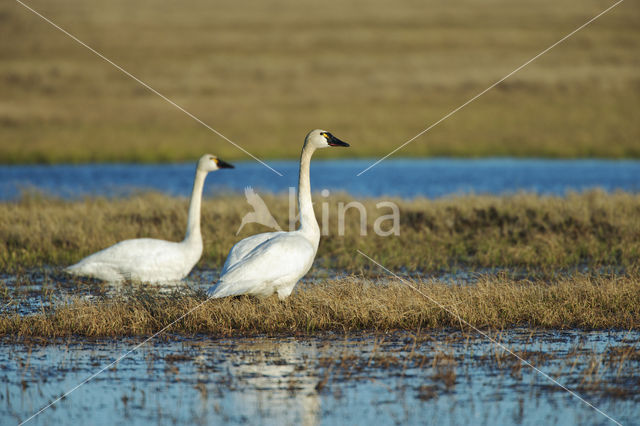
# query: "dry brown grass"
521, 231
347, 305
266, 72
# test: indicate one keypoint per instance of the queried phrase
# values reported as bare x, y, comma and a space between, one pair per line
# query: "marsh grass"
350, 304
593, 230
266, 72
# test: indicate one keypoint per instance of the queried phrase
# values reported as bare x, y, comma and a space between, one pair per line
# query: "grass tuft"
350, 304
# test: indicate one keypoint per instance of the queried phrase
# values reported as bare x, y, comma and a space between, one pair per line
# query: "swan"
274, 261
151, 260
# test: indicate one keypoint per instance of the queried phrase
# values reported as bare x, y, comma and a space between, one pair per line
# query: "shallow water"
406, 178
430, 377
363, 378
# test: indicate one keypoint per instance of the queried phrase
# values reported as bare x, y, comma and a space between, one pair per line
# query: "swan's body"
275, 261
151, 260
274, 265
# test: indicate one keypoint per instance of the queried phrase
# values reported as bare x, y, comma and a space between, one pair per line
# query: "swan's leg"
285, 291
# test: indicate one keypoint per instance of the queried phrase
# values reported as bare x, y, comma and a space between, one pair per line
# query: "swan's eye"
325, 134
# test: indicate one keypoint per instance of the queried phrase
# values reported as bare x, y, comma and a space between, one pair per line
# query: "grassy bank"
264, 73
519, 231
348, 305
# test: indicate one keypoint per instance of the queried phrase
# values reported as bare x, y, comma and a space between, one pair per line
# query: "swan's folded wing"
279, 260
155, 258
130, 259
243, 247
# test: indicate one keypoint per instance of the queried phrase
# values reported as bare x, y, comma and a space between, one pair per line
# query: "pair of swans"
259, 265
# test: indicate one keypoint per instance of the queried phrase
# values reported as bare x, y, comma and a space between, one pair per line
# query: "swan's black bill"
223, 164
333, 141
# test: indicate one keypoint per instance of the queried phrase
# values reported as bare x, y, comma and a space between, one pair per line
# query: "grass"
264, 73
522, 231
349, 304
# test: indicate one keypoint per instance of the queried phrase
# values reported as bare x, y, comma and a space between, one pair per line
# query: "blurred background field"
266, 72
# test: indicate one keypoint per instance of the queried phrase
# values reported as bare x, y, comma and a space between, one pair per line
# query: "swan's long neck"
193, 234
308, 223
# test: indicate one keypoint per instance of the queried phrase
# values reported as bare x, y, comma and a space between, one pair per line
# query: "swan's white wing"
281, 260
244, 247
140, 259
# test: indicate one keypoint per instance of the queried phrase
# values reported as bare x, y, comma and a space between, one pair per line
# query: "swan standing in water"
274, 261
151, 260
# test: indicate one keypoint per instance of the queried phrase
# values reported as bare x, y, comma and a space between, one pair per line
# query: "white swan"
151, 260
274, 261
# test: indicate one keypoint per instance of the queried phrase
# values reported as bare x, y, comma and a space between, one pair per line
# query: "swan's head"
322, 139
209, 163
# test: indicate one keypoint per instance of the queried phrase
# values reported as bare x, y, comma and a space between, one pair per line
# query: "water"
410, 377
361, 378
406, 178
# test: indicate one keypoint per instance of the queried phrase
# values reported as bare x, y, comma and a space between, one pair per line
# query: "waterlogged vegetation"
554, 279
342, 305
358, 378
590, 231
265, 73
349, 339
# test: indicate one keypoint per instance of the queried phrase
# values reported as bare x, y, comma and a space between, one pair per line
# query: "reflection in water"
283, 387
437, 377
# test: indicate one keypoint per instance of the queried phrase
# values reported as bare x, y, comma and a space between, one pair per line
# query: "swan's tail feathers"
72, 270
226, 289
95, 270
211, 292
80, 269
218, 290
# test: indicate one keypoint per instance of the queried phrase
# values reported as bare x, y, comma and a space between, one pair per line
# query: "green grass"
521, 231
264, 73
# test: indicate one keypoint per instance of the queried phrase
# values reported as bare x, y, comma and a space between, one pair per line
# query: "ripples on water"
360, 378
394, 177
